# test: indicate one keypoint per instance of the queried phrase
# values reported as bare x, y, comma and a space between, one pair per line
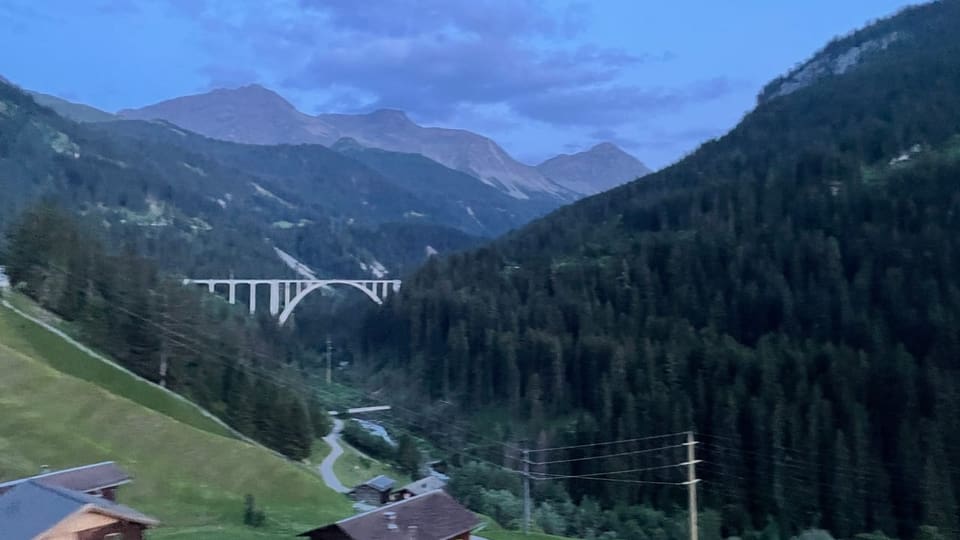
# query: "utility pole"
692, 484
329, 360
526, 491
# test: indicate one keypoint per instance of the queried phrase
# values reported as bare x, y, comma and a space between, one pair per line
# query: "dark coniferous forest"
789, 292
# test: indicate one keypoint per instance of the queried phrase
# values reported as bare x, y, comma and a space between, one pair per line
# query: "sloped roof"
435, 515
86, 478
32, 508
380, 483
424, 485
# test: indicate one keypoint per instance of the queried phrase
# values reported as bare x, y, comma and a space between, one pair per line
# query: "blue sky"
540, 77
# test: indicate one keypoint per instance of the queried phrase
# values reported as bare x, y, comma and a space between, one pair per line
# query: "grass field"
186, 474
37, 342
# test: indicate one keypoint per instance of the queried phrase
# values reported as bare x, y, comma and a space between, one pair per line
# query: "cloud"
615, 104
434, 75
436, 58
406, 18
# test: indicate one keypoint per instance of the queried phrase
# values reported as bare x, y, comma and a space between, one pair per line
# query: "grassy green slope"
37, 342
192, 480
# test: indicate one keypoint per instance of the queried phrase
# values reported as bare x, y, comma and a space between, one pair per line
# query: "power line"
606, 443
605, 456
621, 480
625, 471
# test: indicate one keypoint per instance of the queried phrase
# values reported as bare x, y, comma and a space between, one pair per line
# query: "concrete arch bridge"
285, 294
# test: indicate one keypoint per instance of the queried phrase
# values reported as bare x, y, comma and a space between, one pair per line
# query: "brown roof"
86, 479
435, 515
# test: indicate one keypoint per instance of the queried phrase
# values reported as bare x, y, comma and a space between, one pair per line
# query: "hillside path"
326, 466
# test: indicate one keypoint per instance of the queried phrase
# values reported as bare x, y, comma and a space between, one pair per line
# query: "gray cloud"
436, 58
406, 18
615, 104
433, 75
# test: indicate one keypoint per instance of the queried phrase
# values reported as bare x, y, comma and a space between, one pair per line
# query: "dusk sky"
540, 78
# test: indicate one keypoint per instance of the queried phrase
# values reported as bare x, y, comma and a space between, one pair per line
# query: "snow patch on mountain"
295, 265
378, 269
265, 193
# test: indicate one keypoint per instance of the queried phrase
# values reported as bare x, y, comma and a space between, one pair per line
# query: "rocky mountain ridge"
253, 114
602, 167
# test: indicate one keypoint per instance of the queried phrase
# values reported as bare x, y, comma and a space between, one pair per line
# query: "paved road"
326, 466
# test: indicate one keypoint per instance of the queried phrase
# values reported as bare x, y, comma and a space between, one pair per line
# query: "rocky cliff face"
836, 59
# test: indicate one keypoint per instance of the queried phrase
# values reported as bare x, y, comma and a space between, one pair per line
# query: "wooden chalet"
100, 479
33, 510
375, 491
431, 516
419, 487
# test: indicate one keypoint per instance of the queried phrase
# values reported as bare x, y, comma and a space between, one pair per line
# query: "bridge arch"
290, 293
288, 309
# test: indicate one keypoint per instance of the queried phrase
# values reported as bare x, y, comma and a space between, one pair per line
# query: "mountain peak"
394, 116
346, 144
254, 94
606, 147
600, 168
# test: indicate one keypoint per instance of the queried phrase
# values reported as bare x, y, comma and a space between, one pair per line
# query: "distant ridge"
600, 168
256, 115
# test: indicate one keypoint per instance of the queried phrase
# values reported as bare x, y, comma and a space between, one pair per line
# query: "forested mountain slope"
478, 208
210, 208
789, 291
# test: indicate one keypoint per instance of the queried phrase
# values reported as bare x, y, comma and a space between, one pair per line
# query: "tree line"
194, 344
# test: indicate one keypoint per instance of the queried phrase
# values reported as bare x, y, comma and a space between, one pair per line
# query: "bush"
252, 516
363, 440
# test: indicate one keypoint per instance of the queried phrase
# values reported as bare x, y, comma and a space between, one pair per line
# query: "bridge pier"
274, 297
232, 294
253, 297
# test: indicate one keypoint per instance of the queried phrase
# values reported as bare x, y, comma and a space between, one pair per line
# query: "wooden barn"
375, 491
35, 511
419, 487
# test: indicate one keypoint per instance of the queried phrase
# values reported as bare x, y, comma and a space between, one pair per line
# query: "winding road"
326, 466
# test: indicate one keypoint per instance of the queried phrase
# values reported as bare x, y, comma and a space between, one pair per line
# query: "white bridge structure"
285, 294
